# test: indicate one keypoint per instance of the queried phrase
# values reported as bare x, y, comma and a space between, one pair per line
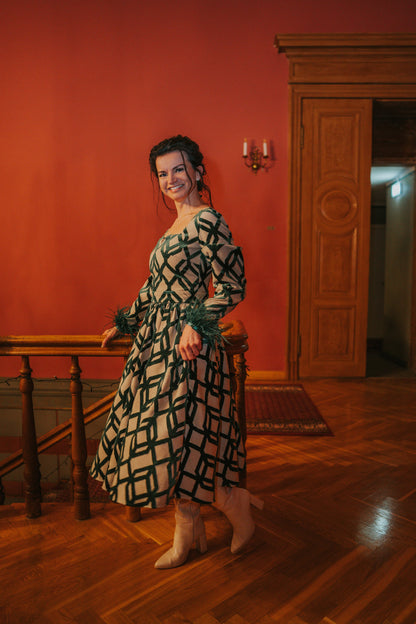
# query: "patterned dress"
172, 429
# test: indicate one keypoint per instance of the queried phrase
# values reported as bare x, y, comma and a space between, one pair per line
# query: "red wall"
87, 88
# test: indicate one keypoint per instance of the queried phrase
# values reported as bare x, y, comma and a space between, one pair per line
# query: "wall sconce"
256, 159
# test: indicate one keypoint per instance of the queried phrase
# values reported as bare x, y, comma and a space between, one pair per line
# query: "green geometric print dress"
172, 430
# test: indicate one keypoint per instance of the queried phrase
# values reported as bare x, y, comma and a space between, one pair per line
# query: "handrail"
84, 345
233, 331
63, 345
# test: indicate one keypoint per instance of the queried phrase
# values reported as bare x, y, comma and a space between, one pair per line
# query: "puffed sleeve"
127, 320
227, 267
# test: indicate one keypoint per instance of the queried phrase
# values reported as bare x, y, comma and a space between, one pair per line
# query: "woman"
172, 430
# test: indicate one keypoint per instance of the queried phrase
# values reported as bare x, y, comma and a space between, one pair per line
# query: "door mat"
283, 410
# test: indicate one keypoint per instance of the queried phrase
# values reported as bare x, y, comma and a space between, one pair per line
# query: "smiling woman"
189, 157
172, 431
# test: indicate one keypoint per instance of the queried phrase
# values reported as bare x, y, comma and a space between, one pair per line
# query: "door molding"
376, 66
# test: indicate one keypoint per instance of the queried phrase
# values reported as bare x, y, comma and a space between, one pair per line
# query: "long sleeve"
227, 266
127, 320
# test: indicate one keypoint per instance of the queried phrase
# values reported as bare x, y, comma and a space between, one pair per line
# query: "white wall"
398, 274
375, 324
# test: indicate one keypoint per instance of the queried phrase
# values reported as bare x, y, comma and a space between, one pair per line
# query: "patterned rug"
283, 410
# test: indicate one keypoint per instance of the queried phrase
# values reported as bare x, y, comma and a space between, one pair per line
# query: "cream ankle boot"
189, 529
235, 504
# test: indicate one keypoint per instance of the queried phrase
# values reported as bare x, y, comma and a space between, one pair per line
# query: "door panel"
335, 234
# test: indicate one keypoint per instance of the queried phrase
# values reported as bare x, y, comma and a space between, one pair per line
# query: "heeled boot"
235, 504
189, 529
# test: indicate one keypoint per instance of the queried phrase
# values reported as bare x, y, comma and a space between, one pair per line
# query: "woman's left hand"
190, 343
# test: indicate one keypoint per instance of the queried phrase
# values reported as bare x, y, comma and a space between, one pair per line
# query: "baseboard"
265, 377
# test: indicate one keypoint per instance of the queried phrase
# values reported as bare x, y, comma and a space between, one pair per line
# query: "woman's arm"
227, 265
127, 320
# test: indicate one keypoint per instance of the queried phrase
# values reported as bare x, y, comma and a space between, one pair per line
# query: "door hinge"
302, 136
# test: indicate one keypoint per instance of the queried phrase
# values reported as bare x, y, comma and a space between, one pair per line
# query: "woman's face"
177, 177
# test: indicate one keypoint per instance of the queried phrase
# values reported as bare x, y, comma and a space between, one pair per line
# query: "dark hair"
184, 145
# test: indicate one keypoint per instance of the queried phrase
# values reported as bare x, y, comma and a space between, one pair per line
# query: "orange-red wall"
87, 87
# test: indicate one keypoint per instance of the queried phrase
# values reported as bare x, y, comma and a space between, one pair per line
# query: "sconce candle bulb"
256, 159
245, 148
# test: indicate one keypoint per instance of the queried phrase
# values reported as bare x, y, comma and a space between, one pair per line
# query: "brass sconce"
256, 159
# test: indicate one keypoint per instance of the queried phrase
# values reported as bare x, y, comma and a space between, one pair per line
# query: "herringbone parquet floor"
335, 544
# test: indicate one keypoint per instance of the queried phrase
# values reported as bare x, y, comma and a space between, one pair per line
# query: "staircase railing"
75, 347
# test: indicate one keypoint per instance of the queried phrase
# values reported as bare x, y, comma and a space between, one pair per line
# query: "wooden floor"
335, 544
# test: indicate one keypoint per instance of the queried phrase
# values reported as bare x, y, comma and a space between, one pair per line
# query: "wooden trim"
326, 43
350, 58
265, 377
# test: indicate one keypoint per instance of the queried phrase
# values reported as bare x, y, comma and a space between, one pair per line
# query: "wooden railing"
75, 347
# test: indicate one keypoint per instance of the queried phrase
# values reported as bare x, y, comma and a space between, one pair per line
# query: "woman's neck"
188, 207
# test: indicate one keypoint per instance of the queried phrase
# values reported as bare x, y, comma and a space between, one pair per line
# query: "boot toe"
170, 560
240, 541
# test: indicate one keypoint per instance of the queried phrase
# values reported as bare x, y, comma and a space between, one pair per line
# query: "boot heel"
256, 502
201, 538
201, 543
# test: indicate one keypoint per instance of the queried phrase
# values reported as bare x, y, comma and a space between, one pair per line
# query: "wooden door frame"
373, 66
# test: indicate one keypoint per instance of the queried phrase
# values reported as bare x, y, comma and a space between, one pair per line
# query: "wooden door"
334, 236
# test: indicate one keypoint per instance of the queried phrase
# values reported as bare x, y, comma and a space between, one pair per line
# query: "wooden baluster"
133, 514
240, 400
2, 496
31, 471
79, 446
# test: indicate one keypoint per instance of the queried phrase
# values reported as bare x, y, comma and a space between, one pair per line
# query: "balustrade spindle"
79, 446
31, 471
133, 514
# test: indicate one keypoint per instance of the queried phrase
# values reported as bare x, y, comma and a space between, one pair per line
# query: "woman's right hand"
109, 335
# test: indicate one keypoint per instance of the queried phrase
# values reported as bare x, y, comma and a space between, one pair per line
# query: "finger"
107, 337
197, 343
105, 341
187, 352
193, 353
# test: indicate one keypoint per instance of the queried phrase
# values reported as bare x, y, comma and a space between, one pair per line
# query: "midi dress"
172, 430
